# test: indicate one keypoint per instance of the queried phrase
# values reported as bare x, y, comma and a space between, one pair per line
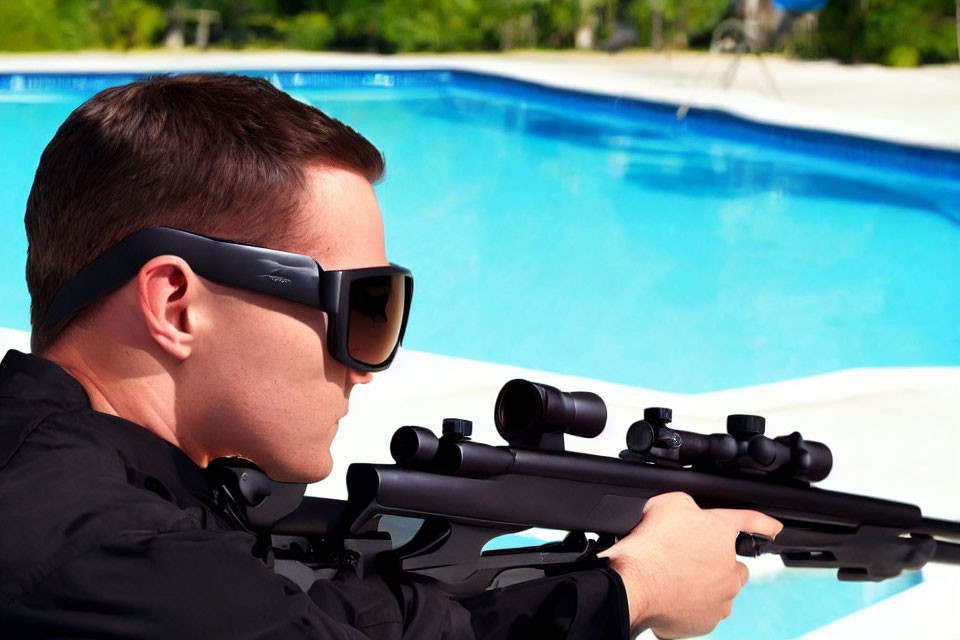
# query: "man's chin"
312, 470
318, 476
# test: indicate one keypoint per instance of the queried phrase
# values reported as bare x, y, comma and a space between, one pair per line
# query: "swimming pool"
600, 237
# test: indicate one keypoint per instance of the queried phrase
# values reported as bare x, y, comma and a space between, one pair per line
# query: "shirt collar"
35, 380
27, 377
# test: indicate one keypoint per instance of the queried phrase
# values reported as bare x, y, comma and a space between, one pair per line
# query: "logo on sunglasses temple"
277, 279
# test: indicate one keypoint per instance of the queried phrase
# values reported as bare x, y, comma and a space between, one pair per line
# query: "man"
159, 348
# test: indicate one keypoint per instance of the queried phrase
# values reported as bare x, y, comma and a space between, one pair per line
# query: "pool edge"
749, 106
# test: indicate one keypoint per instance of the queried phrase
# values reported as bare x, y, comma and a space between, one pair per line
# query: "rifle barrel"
778, 500
946, 552
938, 528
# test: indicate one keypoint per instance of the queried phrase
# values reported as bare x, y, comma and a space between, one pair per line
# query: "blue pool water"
600, 237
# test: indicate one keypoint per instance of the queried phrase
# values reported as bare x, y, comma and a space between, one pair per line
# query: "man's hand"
679, 565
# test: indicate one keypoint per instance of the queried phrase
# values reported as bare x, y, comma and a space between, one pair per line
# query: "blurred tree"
357, 23
556, 22
46, 24
128, 23
79, 24
887, 31
675, 23
311, 30
656, 22
430, 25
508, 24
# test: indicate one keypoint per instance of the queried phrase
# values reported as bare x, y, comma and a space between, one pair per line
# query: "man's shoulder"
66, 490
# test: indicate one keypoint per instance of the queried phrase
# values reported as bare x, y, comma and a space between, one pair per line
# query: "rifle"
446, 497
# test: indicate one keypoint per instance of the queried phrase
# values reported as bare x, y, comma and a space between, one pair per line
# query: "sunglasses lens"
377, 306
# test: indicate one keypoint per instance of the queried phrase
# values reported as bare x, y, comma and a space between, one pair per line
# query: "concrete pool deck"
894, 432
910, 106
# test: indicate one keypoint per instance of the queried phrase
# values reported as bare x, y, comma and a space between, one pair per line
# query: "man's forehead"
339, 220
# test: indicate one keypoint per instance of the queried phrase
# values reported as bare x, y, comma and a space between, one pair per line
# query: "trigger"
751, 545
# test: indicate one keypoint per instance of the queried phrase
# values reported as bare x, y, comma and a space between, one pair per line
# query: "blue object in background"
800, 6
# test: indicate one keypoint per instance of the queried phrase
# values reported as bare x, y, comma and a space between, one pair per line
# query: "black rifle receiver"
462, 494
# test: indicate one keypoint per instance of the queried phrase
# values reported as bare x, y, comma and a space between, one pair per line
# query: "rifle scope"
527, 410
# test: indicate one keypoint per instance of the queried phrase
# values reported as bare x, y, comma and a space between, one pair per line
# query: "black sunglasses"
367, 308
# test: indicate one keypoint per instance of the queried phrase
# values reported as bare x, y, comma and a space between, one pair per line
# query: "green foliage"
429, 25
311, 30
128, 23
684, 21
259, 29
902, 55
421, 25
45, 24
894, 32
888, 31
79, 24
556, 22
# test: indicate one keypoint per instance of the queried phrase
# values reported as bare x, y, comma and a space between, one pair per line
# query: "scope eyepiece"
527, 410
411, 446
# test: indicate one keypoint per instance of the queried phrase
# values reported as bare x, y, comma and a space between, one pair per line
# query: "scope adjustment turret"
658, 414
745, 427
457, 428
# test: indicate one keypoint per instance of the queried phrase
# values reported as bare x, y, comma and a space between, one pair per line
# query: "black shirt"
109, 531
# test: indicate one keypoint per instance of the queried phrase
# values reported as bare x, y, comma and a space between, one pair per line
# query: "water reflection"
734, 177
663, 157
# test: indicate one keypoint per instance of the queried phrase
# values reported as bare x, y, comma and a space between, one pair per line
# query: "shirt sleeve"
582, 605
204, 584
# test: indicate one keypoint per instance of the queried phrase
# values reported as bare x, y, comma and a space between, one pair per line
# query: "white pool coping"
906, 106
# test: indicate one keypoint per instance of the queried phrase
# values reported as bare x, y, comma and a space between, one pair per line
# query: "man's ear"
167, 290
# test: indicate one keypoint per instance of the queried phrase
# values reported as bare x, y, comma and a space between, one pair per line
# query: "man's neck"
139, 397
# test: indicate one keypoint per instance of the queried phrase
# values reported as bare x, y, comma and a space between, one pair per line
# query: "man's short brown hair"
221, 155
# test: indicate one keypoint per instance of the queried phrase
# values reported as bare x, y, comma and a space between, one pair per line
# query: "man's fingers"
751, 521
672, 500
